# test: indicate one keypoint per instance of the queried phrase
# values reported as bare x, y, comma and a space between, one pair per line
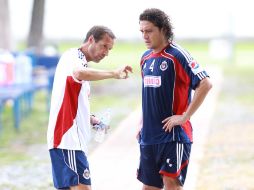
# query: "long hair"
160, 19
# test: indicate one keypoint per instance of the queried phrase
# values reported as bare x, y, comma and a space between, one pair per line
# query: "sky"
71, 19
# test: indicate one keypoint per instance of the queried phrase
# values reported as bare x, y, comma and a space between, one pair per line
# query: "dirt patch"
229, 154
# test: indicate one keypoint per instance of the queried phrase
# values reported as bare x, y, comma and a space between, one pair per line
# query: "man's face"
153, 37
98, 50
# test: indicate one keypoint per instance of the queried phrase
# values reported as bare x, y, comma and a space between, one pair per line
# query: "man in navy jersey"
169, 74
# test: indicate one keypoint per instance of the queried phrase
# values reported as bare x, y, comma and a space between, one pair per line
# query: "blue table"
18, 93
12, 93
24, 93
47, 61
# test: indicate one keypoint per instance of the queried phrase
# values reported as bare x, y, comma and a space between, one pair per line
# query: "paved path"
201, 123
114, 163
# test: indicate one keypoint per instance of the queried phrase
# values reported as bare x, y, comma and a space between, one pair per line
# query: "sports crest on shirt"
195, 67
164, 65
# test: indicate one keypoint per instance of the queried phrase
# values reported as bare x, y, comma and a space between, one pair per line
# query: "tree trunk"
5, 29
35, 38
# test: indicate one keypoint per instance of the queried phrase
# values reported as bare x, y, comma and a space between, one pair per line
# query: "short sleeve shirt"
168, 78
69, 120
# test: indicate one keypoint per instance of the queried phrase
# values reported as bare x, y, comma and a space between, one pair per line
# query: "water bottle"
102, 127
23, 69
6, 68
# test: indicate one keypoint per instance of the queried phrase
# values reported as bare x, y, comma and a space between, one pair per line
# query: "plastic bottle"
2, 73
102, 127
6, 68
23, 69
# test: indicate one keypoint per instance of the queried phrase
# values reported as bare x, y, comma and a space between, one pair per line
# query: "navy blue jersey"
168, 78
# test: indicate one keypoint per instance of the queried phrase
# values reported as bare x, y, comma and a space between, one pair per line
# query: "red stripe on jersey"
143, 61
68, 110
188, 129
181, 92
181, 88
145, 58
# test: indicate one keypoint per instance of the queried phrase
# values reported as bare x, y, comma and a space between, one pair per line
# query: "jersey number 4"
152, 65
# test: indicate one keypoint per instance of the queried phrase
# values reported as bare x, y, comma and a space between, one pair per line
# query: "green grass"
14, 143
35, 122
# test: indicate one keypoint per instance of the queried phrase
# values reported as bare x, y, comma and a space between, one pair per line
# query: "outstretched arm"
198, 98
90, 74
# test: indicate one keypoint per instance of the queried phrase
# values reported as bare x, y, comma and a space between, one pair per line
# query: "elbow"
77, 74
205, 85
208, 85
83, 75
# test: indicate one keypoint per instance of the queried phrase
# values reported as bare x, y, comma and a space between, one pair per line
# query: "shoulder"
68, 54
179, 53
74, 55
71, 52
146, 54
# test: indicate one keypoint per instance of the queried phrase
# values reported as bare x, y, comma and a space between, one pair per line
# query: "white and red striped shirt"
69, 119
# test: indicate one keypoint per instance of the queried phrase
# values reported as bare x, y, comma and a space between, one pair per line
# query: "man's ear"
91, 39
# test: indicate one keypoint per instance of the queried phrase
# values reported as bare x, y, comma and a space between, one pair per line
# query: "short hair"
98, 32
160, 19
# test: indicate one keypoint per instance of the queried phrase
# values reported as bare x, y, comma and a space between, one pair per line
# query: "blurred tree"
35, 37
5, 29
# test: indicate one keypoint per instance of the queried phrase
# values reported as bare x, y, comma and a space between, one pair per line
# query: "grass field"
229, 153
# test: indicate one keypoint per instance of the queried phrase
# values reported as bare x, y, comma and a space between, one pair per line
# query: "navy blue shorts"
169, 159
69, 168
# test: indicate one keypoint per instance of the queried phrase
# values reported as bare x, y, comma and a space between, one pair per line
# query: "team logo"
195, 67
152, 81
168, 162
86, 174
164, 65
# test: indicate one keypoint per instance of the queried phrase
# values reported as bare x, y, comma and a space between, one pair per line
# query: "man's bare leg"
171, 183
81, 187
147, 187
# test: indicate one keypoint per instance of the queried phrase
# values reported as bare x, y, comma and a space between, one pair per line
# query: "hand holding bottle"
102, 127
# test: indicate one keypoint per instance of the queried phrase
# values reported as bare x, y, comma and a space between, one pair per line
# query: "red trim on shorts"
174, 175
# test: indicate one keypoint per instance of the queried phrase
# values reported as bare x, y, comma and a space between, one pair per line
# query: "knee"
147, 187
171, 183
